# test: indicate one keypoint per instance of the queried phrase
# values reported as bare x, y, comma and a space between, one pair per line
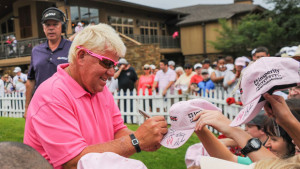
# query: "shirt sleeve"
59, 133
172, 76
229, 75
31, 72
244, 160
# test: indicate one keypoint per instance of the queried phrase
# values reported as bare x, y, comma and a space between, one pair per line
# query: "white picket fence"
13, 105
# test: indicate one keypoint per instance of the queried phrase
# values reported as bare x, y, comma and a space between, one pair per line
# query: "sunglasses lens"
106, 63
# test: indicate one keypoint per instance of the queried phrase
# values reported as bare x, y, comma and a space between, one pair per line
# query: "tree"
273, 29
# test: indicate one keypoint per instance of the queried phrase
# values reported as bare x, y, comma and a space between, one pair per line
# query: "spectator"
229, 63
2, 91
197, 77
93, 23
171, 64
183, 82
260, 52
112, 84
19, 80
14, 44
231, 77
294, 92
218, 75
165, 78
206, 85
152, 69
8, 86
79, 27
48, 55
179, 71
146, 81
73, 113
127, 80
206, 65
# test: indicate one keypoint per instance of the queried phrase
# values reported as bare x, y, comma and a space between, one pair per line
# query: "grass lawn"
12, 129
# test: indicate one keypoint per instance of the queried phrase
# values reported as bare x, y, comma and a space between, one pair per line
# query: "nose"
268, 143
110, 71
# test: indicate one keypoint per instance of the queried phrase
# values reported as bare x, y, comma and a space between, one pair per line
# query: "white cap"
79, 24
108, 160
123, 61
153, 67
17, 69
197, 65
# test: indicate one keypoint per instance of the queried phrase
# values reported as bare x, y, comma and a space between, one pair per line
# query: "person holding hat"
47, 56
73, 113
146, 81
184, 80
19, 80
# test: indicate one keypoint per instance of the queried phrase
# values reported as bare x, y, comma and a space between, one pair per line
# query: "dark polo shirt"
44, 61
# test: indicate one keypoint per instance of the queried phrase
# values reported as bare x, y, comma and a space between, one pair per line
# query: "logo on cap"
50, 14
173, 118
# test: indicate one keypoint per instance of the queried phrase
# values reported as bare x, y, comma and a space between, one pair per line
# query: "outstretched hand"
277, 108
212, 118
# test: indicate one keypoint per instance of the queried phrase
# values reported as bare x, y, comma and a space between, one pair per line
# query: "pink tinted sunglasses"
103, 61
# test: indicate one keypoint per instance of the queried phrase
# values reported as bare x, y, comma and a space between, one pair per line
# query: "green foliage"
272, 29
12, 129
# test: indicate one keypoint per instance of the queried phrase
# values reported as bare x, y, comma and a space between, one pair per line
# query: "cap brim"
215, 163
49, 18
176, 138
248, 112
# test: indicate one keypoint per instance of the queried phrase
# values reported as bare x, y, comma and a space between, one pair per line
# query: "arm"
221, 123
214, 78
149, 135
29, 93
166, 89
117, 74
284, 117
213, 146
154, 85
228, 142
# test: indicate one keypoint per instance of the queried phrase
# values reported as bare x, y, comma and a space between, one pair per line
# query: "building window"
121, 24
149, 28
25, 22
84, 15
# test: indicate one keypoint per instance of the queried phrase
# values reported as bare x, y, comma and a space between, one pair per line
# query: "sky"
169, 4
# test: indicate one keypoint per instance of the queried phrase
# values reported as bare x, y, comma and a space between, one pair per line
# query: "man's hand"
164, 92
151, 133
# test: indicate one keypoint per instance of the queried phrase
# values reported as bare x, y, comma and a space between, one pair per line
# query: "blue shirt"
203, 85
44, 61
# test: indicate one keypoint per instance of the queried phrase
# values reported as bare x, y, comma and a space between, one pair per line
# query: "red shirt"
196, 79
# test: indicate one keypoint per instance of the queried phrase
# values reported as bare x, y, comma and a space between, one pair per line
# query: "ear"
80, 57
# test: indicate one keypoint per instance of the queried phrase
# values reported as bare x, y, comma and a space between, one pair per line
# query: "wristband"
135, 143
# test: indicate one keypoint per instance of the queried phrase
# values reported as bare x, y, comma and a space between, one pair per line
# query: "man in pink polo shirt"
165, 78
73, 113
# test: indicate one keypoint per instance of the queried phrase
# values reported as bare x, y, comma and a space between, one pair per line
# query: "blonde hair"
289, 163
99, 39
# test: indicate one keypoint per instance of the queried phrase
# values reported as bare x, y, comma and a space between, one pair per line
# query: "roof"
207, 13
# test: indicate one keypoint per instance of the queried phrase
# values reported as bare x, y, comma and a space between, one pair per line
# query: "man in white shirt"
165, 78
19, 80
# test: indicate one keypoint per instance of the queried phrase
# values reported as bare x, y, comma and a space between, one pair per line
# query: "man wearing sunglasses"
73, 112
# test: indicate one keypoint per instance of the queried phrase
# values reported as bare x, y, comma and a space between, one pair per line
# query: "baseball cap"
266, 75
147, 66
171, 62
297, 52
182, 124
153, 67
53, 14
17, 69
288, 51
193, 153
206, 61
187, 65
197, 65
108, 160
253, 52
204, 71
240, 61
123, 61
216, 163
259, 119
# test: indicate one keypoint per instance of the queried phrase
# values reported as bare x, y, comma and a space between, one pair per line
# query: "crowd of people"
10, 84
72, 119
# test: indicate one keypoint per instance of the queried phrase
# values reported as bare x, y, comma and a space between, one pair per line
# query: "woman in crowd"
183, 82
231, 77
217, 76
146, 80
179, 71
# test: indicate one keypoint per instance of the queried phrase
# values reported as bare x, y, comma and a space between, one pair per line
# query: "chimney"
243, 1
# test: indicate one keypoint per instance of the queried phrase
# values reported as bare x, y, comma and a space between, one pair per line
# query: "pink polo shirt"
63, 118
